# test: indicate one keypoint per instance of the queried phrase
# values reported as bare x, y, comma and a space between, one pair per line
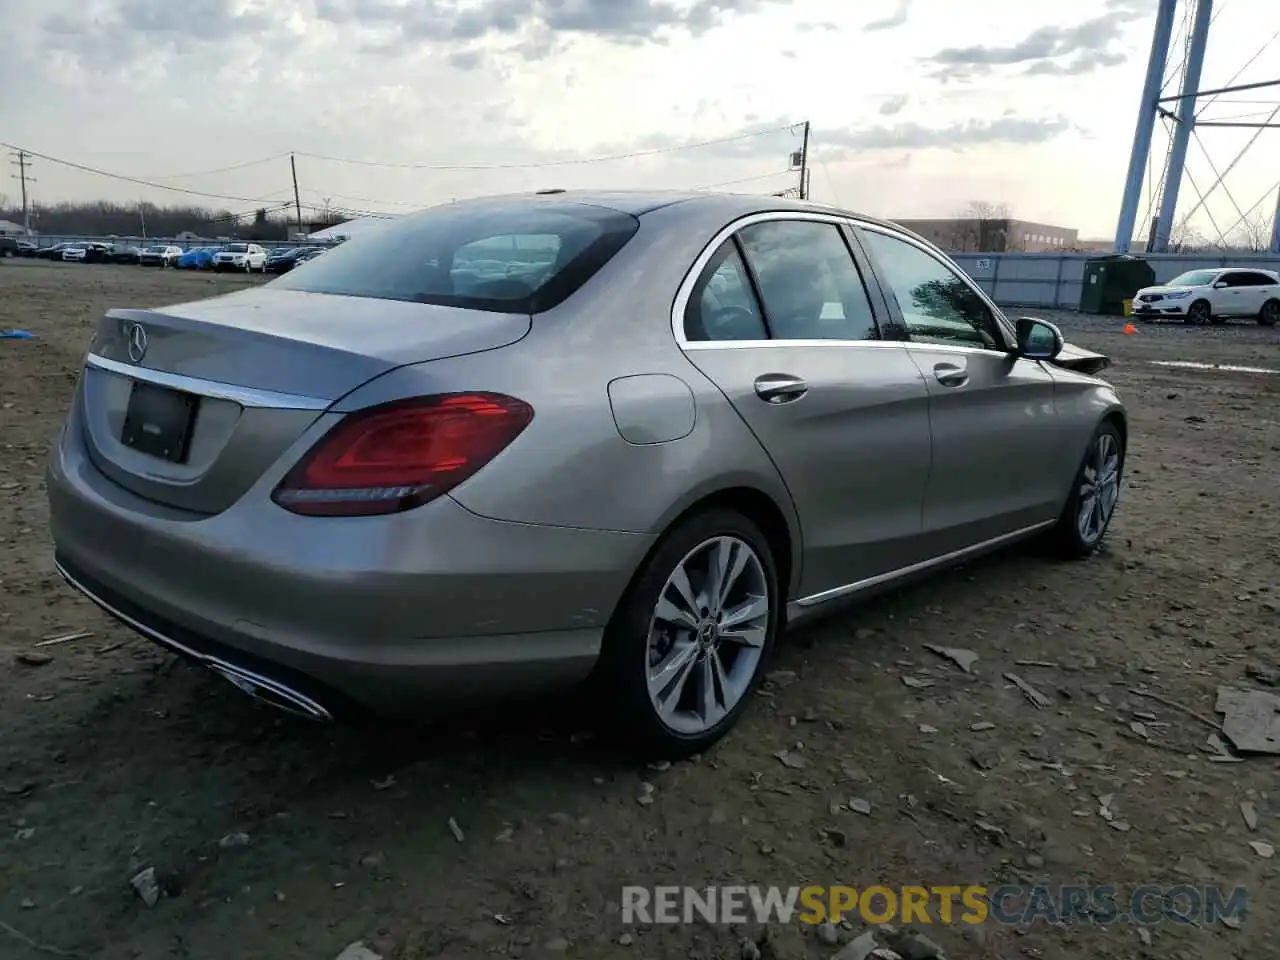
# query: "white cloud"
916, 107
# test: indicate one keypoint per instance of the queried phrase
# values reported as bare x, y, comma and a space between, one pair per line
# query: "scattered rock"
912, 945
928, 728
964, 659
982, 725
1263, 849
644, 796
32, 658
1249, 814
358, 951
1144, 935
749, 950
1034, 861
829, 934
456, 830
147, 886
781, 678
917, 683
789, 759
371, 860
504, 836
858, 805
626, 940
234, 840
860, 948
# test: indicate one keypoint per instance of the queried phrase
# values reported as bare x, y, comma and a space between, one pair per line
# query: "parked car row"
243, 257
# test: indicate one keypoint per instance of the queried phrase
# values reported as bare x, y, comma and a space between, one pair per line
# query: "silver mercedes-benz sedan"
505, 445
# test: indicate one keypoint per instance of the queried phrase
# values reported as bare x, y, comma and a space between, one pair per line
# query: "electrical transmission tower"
22, 161
1184, 110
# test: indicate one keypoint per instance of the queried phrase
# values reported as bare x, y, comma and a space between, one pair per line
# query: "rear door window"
507, 256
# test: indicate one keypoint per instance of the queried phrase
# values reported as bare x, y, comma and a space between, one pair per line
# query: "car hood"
1081, 360
1168, 290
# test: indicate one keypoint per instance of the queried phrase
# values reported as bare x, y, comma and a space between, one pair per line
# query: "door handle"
949, 375
780, 388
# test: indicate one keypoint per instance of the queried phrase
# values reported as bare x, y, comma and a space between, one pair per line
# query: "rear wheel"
689, 642
1094, 495
1199, 312
1270, 313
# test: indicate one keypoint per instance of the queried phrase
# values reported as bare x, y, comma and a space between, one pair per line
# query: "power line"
207, 173
134, 180
540, 164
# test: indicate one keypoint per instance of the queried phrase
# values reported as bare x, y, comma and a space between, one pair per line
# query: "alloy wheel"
1099, 489
1270, 313
707, 635
1199, 312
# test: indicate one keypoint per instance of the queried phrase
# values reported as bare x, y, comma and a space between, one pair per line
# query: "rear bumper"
430, 608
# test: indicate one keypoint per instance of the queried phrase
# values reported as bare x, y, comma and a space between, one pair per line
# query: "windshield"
508, 255
237, 248
1194, 278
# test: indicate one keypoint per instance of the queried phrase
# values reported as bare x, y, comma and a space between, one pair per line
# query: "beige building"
968, 235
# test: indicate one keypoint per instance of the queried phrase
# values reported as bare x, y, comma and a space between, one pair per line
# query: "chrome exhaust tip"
270, 692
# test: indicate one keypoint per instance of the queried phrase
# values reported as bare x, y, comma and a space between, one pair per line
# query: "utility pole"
1147, 112
804, 164
297, 203
142, 217
24, 164
1188, 99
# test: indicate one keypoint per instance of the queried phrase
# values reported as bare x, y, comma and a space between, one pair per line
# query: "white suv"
241, 256
1213, 295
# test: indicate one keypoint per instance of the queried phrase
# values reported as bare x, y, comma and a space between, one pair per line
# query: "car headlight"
1178, 296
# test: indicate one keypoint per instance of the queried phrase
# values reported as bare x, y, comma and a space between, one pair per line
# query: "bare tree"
1185, 238
983, 226
1253, 235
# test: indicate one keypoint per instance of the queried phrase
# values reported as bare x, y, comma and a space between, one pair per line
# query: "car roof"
713, 205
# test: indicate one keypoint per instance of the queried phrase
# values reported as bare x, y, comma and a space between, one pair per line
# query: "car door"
999, 465
1259, 288
1233, 294
776, 313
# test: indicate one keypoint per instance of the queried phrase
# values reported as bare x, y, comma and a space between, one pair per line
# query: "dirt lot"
114, 757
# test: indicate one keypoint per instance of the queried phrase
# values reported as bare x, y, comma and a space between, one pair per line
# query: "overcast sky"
917, 106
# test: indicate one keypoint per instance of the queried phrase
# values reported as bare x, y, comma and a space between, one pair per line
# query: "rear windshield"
237, 248
505, 256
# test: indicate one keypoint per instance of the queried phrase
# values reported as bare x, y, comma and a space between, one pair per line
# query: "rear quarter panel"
571, 466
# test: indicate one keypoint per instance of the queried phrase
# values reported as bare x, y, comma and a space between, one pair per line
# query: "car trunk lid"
249, 372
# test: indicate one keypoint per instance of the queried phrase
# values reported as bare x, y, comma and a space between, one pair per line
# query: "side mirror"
1038, 339
1219, 284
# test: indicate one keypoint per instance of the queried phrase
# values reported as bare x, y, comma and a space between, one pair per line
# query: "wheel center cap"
708, 632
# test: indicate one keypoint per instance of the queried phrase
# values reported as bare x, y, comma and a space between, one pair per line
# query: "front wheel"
688, 644
1199, 312
1094, 495
1270, 313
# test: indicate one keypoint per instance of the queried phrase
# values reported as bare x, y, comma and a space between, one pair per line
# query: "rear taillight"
400, 455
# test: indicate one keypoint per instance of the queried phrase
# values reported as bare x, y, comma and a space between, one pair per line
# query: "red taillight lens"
402, 454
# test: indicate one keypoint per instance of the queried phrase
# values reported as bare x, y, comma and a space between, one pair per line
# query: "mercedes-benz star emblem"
137, 343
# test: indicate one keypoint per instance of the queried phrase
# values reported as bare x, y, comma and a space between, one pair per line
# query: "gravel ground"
275, 839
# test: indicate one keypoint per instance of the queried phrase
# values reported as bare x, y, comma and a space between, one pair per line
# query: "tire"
1269, 314
1067, 539
1199, 312
622, 677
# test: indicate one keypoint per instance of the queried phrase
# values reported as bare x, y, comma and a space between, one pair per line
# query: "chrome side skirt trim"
804, 604
245, 396
261, 688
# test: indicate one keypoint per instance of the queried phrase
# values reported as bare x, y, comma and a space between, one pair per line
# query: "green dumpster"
1109, 281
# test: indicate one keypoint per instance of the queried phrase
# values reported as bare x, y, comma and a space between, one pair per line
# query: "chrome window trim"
685, 290
1010, 334
244, 396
